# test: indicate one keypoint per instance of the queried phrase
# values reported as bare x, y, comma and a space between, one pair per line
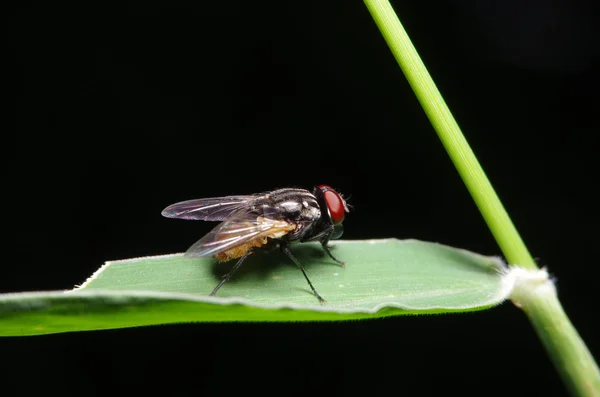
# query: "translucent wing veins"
208, 209
241, 228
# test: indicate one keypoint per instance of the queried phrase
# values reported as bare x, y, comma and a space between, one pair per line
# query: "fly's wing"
208, 209
242, 227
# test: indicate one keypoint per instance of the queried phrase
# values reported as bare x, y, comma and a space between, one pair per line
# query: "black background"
122, 109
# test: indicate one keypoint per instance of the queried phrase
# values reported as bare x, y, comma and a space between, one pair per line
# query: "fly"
263, 221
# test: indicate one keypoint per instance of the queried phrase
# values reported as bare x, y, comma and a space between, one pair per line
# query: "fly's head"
334, 206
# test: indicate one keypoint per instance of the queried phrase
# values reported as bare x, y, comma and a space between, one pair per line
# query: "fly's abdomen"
240, 250
264, 229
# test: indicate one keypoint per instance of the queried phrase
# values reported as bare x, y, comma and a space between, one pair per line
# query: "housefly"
264, 221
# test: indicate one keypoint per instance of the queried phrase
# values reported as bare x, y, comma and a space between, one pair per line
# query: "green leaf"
382, 278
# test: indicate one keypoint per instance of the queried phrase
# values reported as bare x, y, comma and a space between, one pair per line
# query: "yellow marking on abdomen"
280, 229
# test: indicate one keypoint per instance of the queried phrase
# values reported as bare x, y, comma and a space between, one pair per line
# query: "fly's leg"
326, 248
324, 237
286, 250
233, 270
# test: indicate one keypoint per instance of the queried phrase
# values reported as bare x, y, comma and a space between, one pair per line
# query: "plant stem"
568, 352
536, 295
443, 122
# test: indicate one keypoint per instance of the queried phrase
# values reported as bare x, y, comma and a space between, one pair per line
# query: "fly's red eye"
335, 204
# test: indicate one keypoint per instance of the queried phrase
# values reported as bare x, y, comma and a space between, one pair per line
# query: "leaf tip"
92, 277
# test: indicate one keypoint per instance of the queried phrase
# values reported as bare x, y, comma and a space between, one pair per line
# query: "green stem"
439, 115
536, 295
566, 349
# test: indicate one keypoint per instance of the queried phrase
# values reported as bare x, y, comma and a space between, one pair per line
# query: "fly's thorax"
294, 205
311, 211
291, 206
